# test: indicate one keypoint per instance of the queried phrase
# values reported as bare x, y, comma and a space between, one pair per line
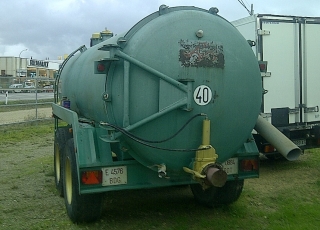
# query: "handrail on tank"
81, 49
56, 82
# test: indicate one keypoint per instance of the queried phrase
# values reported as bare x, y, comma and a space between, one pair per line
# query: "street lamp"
20, 63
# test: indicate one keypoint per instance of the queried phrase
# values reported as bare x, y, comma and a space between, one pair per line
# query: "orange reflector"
269, 149
249, 165
91, 177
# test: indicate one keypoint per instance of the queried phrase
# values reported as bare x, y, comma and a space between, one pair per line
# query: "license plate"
300, 142
231, 166
114, 176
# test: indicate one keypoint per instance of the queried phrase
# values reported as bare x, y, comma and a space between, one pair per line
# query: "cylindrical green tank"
169, 67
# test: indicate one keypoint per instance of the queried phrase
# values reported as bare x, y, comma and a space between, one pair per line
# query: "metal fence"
25, 99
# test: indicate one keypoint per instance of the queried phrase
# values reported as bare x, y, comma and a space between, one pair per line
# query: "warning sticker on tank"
201, 54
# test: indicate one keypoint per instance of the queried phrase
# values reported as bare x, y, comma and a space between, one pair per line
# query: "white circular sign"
202, 95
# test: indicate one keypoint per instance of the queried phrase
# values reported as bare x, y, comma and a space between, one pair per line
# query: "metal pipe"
126, 93
164, 77
283, 145
216, 177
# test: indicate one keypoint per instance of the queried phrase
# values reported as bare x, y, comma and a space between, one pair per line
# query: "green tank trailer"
173, 101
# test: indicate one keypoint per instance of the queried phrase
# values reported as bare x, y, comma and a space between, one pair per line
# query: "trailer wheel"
80, 208
216, 196
60, 139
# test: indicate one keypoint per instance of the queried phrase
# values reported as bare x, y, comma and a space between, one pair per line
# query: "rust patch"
201, 54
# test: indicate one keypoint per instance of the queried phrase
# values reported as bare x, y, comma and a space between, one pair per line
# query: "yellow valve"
206, 132
206, 155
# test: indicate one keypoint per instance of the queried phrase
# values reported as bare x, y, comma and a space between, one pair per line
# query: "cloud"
53, 28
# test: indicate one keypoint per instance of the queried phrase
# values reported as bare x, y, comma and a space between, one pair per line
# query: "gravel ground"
24, 115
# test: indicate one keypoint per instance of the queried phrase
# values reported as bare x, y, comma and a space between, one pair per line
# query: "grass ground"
286, 196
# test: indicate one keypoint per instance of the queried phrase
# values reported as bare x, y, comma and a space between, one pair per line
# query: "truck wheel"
80, 208
60, 139
216, 196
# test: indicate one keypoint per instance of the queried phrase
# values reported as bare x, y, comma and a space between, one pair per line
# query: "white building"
24, 67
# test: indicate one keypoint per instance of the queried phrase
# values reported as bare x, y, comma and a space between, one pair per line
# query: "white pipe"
283, 145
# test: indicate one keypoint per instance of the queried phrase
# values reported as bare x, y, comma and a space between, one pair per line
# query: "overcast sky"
52, 28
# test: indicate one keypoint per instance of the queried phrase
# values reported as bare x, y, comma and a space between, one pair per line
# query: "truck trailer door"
311, 74
279, 46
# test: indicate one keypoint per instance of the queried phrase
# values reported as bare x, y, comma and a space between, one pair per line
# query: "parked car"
16, 88
48, 89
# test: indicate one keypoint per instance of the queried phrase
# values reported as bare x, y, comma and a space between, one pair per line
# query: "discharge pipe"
283, 145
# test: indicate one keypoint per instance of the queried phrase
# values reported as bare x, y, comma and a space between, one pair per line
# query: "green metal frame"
185, 102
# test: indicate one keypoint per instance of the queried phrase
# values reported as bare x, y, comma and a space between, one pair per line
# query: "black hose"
145, 142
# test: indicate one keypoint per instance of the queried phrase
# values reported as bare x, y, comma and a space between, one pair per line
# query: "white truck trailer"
288, 51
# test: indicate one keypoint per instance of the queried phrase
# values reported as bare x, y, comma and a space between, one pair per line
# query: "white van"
16, 88
29, 86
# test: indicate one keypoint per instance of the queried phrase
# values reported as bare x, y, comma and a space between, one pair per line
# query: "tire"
217, 196
60, 139
80, 208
